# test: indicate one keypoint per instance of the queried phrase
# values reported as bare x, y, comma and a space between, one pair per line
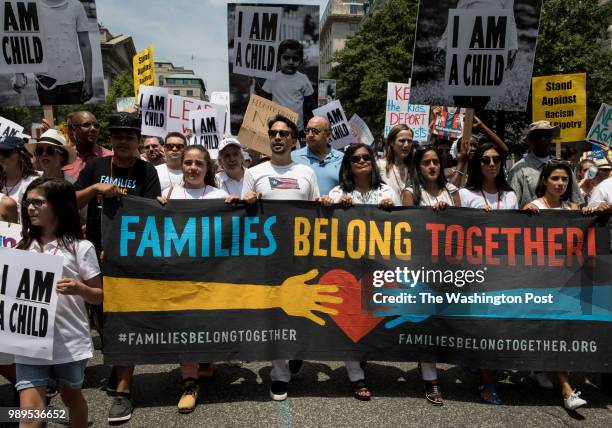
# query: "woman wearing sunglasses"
487, 189
360, 183
399, 151
430, 189
52, 154
16, 169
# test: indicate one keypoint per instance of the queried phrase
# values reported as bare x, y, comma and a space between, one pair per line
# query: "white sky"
180, 29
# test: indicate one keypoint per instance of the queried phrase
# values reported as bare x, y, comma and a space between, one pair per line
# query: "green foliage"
571, 40
123, 86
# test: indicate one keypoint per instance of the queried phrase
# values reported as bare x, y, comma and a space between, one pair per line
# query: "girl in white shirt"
51, 225
198, 183
399, 150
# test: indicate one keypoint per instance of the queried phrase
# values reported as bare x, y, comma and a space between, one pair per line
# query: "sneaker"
573, 401
121, 409
111, 383
278, 390
295, 367
542, 379
190, 396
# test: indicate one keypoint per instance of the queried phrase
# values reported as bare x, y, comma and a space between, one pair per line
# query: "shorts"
69, 374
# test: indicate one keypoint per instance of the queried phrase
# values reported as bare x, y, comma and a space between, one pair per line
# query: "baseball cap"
11, 143
229, 141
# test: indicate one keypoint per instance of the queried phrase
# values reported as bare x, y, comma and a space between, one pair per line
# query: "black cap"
124, 120
11, 143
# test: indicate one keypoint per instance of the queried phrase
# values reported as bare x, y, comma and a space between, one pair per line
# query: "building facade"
180, 81
339, 21
117, 54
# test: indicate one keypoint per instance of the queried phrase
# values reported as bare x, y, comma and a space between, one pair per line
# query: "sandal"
361, 391
433, 393
492, 390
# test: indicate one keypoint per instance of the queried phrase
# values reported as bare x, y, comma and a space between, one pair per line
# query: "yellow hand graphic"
299, 299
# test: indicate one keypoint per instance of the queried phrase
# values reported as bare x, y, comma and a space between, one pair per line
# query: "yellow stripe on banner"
293, 295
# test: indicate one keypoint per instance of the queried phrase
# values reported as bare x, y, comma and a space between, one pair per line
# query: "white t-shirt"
601, 193
17, 191
168, 176
287, 182
63, 19
71, 337
474, 199
429, 200
289, 90
393, 178
372, 197
565, 205
207, 192
227, 183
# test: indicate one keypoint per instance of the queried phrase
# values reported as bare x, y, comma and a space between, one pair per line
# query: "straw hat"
54, 138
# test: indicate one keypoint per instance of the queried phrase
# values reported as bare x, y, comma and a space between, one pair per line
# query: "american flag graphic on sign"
283, 183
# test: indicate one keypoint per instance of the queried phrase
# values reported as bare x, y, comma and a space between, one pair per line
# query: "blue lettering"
205, 237
219, 250
249, 236
171, 237
268, 232
126, 235
235, 236
150, 239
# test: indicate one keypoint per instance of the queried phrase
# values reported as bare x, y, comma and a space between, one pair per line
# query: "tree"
571, 40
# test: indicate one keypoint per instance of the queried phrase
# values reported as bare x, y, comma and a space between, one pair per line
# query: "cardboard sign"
180, 107
340, 129
153, 102
448, 123
23, 44
601, 131
254, 130
561, 100
9, 128
400, 111
257, 34
10, 234
361, 131
206, 130
477, 51
27, 302
126, 104
144, 68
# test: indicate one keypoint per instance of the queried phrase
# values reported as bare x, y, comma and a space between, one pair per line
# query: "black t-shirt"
140, 180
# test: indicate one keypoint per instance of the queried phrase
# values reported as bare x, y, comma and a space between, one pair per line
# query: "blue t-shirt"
326, 170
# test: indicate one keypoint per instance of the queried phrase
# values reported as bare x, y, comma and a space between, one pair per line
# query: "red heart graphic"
350, 318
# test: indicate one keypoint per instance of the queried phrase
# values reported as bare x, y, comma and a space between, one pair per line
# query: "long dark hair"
390, 153
25, 165
418, 179
346, 178
548, 169
209, 177
61, 197
474, 181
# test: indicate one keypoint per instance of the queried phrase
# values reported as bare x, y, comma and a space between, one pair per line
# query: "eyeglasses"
151, 147
36, 202
486, 160
87, 125
359, 158
170, 146
49, 151
313, 130
274, 132
6, 152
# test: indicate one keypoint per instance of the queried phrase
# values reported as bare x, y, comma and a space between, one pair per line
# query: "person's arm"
90, 290
152, 188
407, 198
499, 144
8, 210
86, 57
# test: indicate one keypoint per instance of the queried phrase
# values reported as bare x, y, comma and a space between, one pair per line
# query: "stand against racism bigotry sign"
144, 68
363, 283
561, 100
27, 302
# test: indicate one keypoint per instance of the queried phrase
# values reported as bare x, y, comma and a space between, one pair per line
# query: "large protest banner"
341, 134
27, 302
9, 128
475, 54
153, 102
601, 131
362, 283
143, 64
273, 52
400, 111
561, 100
254, 130
10, 234
206, 129
51, 53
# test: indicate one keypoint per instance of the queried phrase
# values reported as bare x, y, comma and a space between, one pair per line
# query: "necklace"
10, 190
401, 183
129, 173
199, 197
487, 202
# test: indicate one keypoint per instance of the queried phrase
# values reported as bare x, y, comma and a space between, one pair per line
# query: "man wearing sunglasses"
280, 179
154, 150
319, 154
83, 130
170, 173
524, 175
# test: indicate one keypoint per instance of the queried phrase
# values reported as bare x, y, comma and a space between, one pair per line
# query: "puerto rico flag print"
283, 183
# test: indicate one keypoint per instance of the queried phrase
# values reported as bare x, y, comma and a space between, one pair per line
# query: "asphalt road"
320, 397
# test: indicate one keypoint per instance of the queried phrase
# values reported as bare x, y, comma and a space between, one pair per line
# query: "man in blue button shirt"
319, 155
